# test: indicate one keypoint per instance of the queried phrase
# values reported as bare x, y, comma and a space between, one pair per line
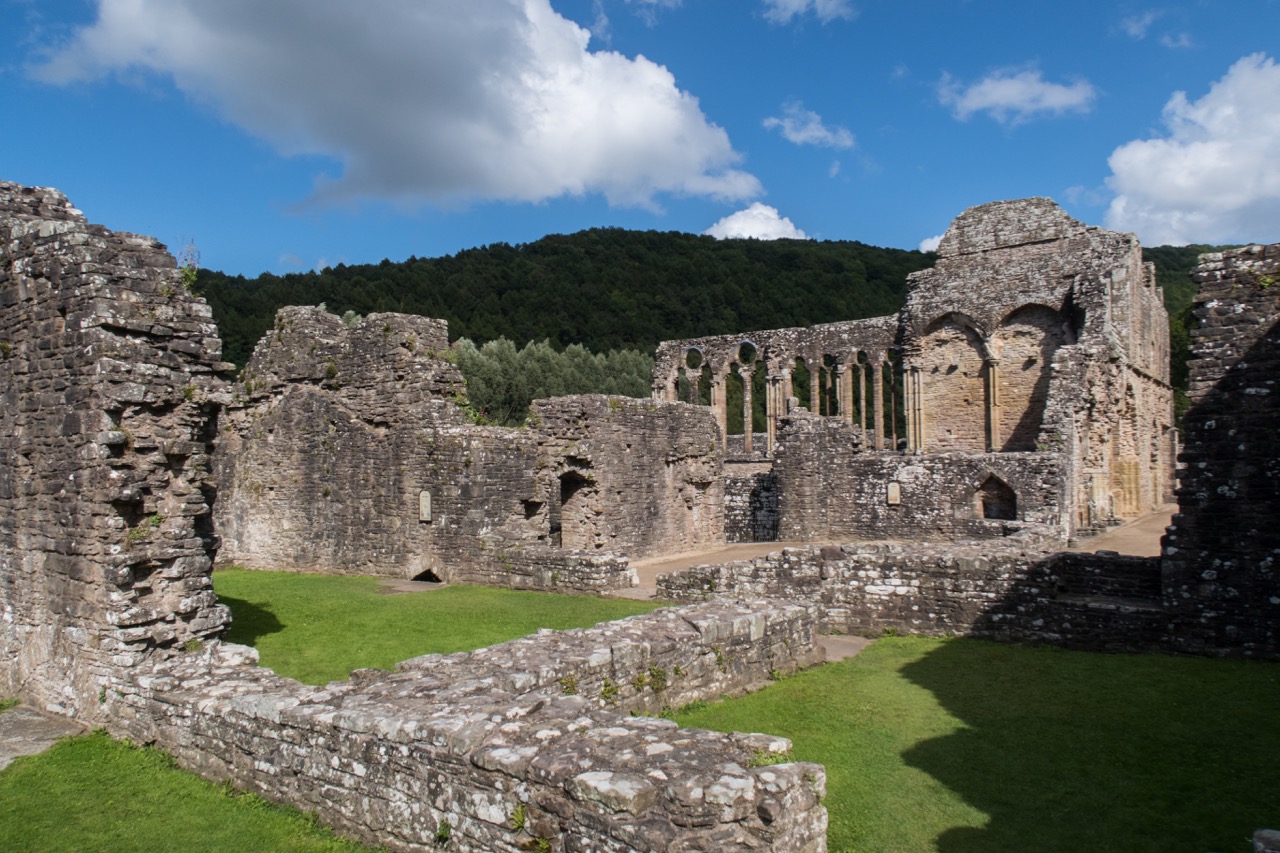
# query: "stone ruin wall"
344, 450
1036, 333
1213, 591
829, 490
1006, 590
459, 745
750, 502
1033, 336
1221, 554
634, 477
110, 376
112, 397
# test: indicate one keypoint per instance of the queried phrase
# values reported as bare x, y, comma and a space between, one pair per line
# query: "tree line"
593, 305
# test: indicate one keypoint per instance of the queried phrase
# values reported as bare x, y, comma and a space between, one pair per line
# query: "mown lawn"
963, 746
317, 628
92, 793
957, 746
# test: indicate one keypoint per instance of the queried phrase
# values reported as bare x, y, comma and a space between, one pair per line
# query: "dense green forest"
606, 289
592, 306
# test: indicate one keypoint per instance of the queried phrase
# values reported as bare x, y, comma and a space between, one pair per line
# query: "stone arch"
995, 499
1024, 343
953, 386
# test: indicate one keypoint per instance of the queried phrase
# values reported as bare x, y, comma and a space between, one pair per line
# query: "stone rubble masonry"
831, 490
1221, 554
110, 378
337, 435
750, 502
522, 741
1008, 590
1035, 337
634, 477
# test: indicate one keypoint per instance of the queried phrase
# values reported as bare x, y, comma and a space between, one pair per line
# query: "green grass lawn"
956, 746
92, 793
963, 746
317, 628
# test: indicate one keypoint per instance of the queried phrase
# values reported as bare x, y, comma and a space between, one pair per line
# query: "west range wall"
345, 450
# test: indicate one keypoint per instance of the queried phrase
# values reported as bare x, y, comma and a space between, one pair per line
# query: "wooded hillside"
605, 288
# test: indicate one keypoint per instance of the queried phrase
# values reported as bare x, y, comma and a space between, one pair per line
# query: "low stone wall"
1003, 591
494, 749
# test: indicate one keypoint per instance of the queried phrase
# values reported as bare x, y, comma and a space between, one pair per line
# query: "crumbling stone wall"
1008, 590
830, 489
1221, 554
109, 373
634, 477
1033, 334
750, 502
491, 750
111, 401
345, 451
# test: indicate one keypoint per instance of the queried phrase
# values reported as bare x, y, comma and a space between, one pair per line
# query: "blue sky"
292, 134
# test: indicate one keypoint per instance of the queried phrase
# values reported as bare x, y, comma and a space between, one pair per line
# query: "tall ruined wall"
448, 750
1221, 555
1035, 332
108, 372
829, 488
636, 477
345, 452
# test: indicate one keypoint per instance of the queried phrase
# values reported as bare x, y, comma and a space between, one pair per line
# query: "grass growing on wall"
317, 628
94, 793
964, 746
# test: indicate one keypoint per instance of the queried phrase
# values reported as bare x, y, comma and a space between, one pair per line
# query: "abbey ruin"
945, 455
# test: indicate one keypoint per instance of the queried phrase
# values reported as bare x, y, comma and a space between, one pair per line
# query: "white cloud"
1215, 176
782, 11
759, 221
424, 100
805, 127
1177, 42
930, 244
648, 9
1013, 97
1136, 26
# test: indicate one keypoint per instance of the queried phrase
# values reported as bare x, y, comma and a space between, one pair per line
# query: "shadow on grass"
249, 621
1071, 751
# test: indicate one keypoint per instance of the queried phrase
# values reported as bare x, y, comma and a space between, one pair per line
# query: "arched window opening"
997, 499
800, 383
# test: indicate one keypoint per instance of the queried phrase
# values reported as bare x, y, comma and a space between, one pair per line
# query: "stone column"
993, 405
862, 398
913, 400
694, 379
844, 392
878, 380
773, 404
747, 373
815, 390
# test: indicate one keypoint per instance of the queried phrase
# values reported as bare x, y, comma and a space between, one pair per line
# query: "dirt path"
649, 569
1138, 538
